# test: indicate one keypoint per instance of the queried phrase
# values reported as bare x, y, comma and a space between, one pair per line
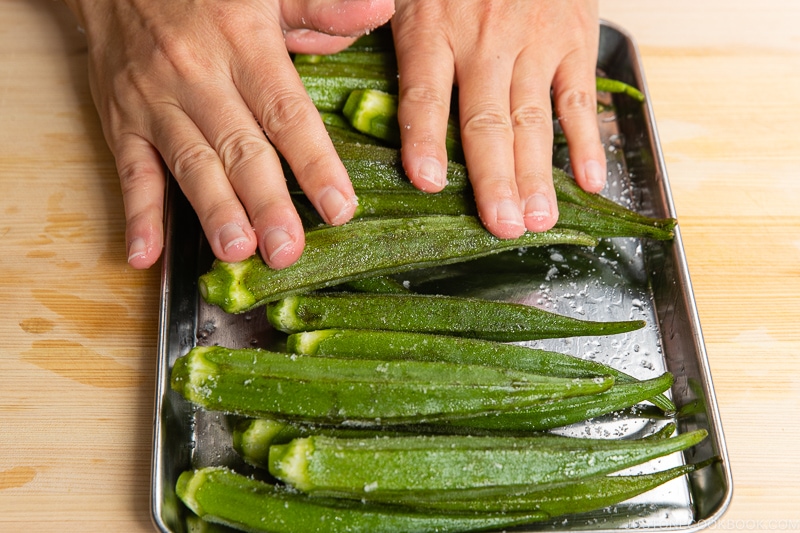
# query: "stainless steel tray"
621, 279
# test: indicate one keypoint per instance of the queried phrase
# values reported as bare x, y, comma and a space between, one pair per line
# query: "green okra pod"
260, 383
384, 58
389, 345
396, 466
378, 284
558, 413
555, 499
365, 248
567, 190
329, 84
616, 86
253, 437
375, 113
222, 496
422, 313
377, 171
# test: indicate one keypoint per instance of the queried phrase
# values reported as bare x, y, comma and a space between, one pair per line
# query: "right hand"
209, 88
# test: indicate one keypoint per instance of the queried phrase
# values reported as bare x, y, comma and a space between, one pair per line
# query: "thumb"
327, 26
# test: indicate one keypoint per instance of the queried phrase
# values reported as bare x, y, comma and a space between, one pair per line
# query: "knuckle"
531, 116
135, 175
238, 148
488, 120
191, 159
314, 171
283, 109
425, 95
576, 101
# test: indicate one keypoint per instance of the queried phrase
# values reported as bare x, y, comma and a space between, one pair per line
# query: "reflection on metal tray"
621, 279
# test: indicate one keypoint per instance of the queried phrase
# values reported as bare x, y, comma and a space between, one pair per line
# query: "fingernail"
336, 208
232, 236
508, 212
275, 241
595, 175
537, 206
431, 172
137, 248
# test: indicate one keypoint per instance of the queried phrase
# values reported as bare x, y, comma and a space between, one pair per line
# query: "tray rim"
691, 303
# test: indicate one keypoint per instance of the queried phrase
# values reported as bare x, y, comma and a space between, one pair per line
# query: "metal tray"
621, 279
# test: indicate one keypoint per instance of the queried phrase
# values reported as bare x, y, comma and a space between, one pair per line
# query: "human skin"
505, 57
208, 87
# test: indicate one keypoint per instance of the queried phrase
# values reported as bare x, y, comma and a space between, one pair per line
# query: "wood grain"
79, 327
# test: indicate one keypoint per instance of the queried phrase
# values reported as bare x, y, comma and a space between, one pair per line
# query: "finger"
142, 179
532, 121
253, 169
200, 174
425, 64
314, 42
574, 94
272, 89
348, 18
488, 140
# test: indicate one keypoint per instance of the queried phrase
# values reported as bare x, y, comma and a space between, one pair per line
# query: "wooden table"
78, 327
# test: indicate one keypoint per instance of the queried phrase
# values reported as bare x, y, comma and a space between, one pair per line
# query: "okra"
252, 437
617, 86
378, 169
222, 496
423, 313
413, 203
259, 383
571, 216
393, 466
383, 58
329, 84
378, 284
340, 131
365, 248
569, 191
598, 224
374, 113
555, 499
559, 413
391, 345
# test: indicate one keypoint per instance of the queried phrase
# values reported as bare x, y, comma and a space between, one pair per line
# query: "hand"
209, 88
505, 56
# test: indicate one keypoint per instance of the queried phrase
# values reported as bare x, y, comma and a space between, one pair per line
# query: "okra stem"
252, 437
